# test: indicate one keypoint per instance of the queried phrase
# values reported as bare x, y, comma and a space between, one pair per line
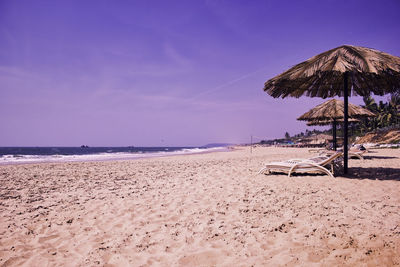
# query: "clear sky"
169, 73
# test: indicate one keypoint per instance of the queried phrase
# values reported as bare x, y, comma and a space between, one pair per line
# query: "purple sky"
169, 73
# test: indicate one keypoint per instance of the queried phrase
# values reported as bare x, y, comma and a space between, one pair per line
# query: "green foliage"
387, 114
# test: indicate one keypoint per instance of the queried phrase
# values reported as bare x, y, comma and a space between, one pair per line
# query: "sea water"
15, 155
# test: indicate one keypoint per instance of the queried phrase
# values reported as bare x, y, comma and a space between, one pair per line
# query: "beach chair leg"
291, 170
356, 155
325, 171
263, 170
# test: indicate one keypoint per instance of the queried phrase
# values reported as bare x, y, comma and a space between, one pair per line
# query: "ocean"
15, 155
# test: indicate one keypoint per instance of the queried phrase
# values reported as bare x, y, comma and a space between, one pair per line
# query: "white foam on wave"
19, 159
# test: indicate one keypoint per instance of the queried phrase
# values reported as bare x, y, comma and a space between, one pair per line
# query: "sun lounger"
317, 150
312, 165
353, 153
356, 153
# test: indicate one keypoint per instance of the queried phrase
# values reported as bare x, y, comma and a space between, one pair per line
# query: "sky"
168, 73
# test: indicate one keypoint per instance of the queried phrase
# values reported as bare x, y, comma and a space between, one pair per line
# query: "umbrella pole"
345, 136
334, 134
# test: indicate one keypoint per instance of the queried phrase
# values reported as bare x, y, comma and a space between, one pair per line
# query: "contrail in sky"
206, 92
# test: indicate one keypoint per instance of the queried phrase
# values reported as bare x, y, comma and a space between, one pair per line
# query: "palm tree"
370, 104
394, 102
387, 114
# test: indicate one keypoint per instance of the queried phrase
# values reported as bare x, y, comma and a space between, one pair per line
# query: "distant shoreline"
38, 159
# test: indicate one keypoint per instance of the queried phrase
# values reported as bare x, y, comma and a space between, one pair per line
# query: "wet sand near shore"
200, 210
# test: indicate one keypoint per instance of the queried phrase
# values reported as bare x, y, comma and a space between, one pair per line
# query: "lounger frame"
302, 166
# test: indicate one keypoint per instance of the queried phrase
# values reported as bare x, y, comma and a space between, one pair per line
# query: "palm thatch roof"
327, 122
370, 71
334, 109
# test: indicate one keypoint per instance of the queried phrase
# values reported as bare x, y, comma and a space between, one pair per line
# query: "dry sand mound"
387, 137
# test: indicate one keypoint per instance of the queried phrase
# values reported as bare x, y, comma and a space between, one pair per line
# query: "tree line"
387, 115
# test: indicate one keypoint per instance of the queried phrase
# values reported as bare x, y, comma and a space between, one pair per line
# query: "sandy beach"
200, 210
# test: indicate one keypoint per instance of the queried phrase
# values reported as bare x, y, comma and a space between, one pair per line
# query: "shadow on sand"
379, 157
374, 173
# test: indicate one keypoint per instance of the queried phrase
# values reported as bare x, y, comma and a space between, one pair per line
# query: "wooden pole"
334, 134
346, 115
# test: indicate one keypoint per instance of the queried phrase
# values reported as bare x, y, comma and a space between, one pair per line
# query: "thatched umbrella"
339, 72
334, 122
332, 111
327, 122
